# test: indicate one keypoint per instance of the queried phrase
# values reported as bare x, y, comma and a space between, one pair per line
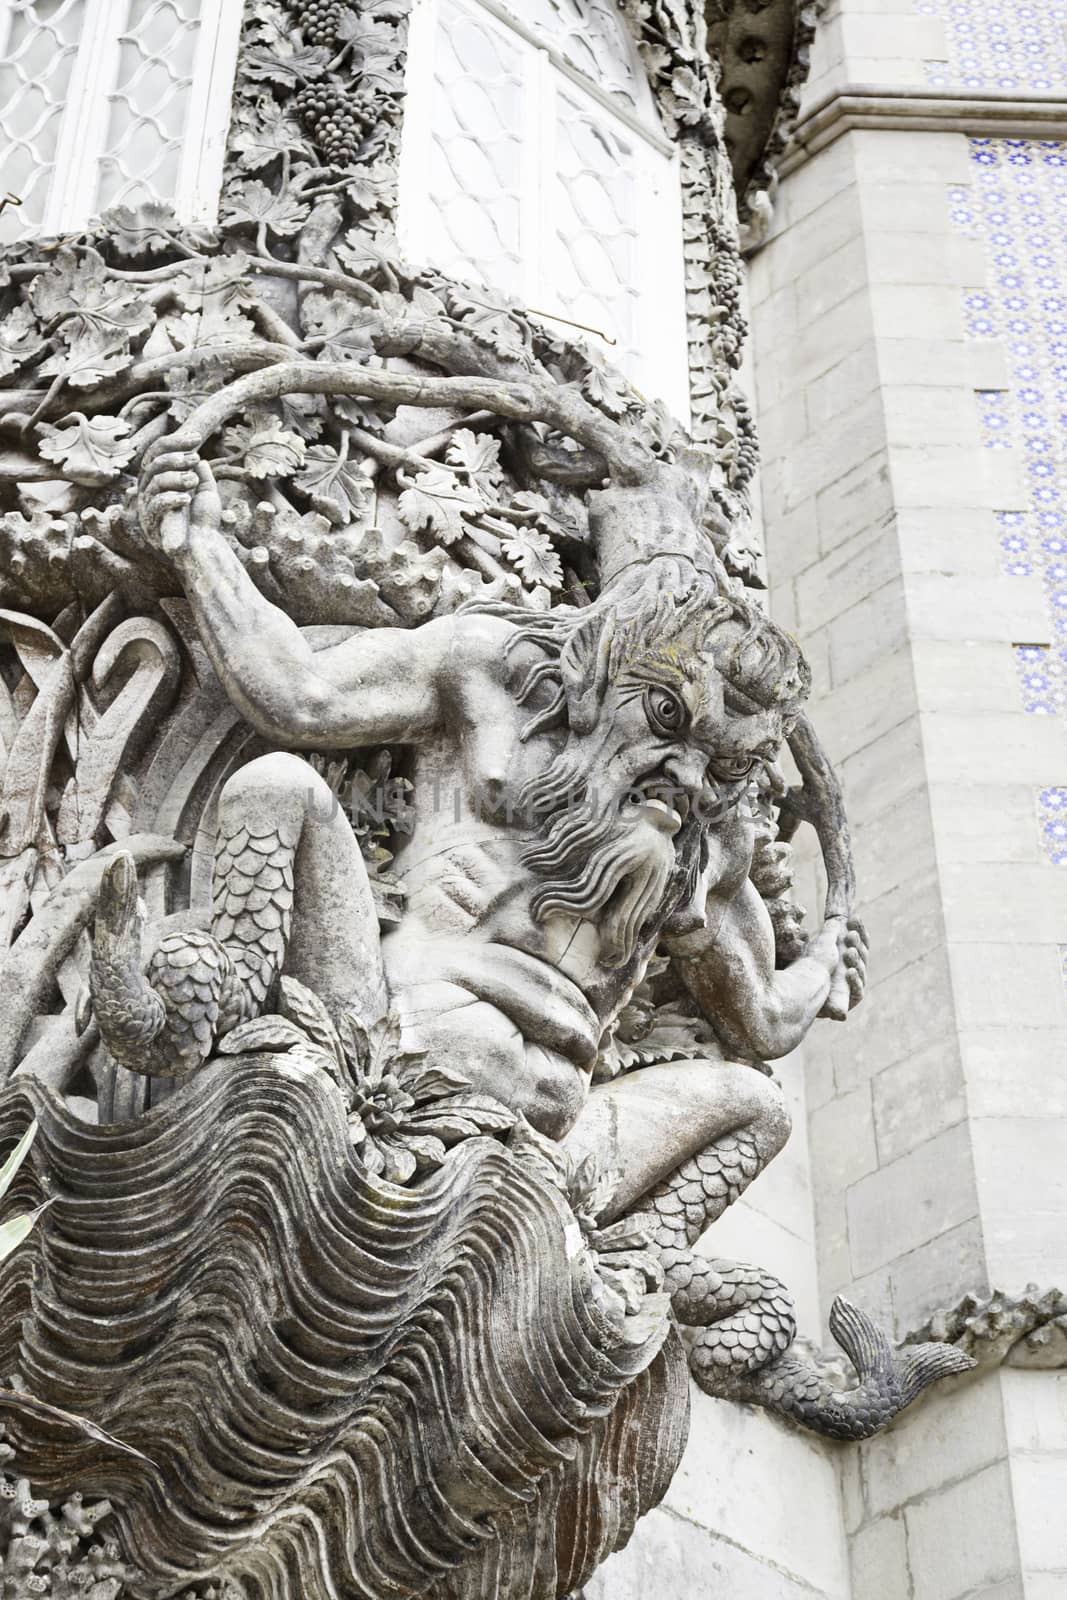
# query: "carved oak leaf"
478, 455
265, 449
76, 292
283, 64
336, 487
608, 390
436, 500
253, 202
530, 552
91, 450
267, 131
20, 340
487, 321
342, 323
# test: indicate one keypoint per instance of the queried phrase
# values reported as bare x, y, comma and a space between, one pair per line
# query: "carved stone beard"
606, 865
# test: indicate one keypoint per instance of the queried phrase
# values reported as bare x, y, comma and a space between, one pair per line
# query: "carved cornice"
763, 47
1002, 114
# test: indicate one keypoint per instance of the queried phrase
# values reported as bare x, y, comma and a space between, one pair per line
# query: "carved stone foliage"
673, 41
395, 884
1024, 1330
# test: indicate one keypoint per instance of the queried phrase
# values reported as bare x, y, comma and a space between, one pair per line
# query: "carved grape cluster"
339, 120
319, 20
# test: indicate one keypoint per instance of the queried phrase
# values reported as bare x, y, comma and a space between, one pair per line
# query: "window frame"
73, 187
662, 368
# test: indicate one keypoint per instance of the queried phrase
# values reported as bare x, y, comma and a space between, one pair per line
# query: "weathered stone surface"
397, 877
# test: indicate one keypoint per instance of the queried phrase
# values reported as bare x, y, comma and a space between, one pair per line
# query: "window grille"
112, 102
534, 162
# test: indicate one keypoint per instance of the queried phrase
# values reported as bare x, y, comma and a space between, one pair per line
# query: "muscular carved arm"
728, 966
381, 686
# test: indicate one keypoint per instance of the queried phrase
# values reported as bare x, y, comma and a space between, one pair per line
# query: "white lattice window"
534, 162
112, 102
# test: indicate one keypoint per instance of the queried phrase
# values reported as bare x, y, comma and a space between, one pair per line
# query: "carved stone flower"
404, 1114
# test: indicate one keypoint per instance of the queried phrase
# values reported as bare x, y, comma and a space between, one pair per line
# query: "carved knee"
773, 1121
279, 779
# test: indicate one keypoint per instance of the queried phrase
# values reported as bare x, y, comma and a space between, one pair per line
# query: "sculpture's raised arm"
377, 687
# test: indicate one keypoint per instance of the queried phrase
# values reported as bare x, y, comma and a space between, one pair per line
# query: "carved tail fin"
161, 1022
808, 1393
911, 1370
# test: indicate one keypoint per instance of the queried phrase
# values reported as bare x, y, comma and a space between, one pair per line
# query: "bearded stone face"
665, 755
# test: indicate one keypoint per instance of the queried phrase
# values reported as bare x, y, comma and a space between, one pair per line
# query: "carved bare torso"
564, 793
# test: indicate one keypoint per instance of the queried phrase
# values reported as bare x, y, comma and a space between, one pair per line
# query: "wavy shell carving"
368, 1391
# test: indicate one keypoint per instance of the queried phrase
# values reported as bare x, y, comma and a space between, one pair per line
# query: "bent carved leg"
648, 1127
687, 1139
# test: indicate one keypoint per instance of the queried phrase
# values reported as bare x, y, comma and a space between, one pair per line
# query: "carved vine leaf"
487, 321
361, 256
254, 202
91, 450
190, 386
76, 286
342, 324
265, 132
435, 500
268, 24
150, 228
372, 186
281, 63
20, 340
89, 358
264, 448
335, 486
220, 283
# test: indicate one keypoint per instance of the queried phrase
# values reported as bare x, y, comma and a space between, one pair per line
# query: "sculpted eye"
666, 713
732, 767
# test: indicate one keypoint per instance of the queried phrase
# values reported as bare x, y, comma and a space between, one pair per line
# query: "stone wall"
937, 1118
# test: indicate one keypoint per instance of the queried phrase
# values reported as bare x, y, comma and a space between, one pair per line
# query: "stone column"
938, 1117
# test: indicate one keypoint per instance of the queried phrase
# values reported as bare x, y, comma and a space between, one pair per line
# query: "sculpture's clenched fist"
178, 497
